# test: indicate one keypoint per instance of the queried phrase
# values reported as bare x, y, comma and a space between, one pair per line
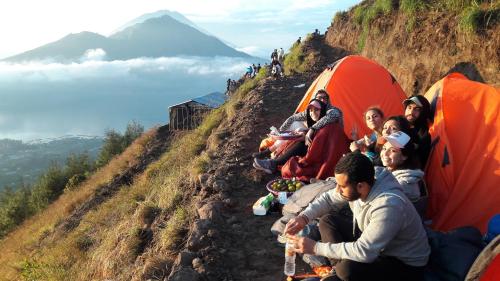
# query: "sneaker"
262, 154
263, 165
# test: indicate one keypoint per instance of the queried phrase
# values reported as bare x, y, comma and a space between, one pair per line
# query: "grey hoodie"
389, 223
409, 180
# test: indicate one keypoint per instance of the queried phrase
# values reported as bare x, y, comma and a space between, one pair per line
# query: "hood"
408, 176
384, 182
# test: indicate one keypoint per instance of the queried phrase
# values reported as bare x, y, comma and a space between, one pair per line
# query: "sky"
255, 26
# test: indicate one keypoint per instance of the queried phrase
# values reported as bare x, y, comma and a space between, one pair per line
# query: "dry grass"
27, 237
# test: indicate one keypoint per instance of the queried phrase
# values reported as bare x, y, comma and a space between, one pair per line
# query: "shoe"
263, 165
331, 276
262, 154
314, 261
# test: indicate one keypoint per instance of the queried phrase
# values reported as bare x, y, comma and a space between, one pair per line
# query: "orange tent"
463, 171
354, 84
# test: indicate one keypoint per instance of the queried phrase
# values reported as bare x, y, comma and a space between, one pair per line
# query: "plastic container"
290, 255
262, 205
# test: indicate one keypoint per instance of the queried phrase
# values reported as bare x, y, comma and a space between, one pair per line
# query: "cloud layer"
41, 99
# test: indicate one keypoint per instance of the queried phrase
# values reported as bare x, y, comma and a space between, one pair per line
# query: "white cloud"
43, 71
252, 50
94, 55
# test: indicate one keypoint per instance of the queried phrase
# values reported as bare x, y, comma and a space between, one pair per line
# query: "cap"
315, 104
414, 100
398, 139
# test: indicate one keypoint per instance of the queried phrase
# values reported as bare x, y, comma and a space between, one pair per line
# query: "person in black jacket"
418, 113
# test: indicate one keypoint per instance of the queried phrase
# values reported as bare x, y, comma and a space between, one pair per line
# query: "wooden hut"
189, 114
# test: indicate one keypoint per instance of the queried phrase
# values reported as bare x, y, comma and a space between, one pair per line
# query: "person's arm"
385, 223
332, 115
329, 201
301, 116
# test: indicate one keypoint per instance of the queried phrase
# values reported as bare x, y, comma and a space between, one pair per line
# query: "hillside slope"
422, 53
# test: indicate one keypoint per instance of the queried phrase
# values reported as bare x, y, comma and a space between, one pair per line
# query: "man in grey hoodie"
386, 240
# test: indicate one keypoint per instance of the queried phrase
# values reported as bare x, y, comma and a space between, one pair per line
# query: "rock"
229, 202
232, 220
203, 180
184, 274
197, 262
212, 233
185, 258
220, 185
211, 211
196, 239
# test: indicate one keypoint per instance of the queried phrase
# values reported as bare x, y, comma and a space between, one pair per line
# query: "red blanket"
328, 146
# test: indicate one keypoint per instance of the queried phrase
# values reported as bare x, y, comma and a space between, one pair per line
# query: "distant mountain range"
159, 34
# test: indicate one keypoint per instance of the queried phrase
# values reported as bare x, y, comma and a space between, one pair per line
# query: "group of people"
379, 177
252, 70
277, 58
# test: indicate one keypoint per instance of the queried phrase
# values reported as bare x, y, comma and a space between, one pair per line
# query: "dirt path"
245, 249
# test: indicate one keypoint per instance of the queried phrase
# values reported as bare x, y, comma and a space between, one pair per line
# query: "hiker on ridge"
418, 113
281, 55
385, 240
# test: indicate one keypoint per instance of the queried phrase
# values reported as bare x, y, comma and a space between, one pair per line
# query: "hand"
367, 140
309, 137
354, 132
295, 225
354, 146
302, 245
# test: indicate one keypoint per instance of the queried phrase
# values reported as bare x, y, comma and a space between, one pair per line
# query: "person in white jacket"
385, 239
398, 156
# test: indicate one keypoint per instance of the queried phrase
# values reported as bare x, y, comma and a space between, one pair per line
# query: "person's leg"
383, 269
296, 149
336, 228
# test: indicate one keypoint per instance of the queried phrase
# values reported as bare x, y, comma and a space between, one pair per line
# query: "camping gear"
452, 253
487, 264
355, 83
463, 171
493, 229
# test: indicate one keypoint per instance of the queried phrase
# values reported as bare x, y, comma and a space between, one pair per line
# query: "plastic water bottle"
289, 259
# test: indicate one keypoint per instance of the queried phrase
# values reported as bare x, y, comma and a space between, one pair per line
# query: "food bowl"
284, 185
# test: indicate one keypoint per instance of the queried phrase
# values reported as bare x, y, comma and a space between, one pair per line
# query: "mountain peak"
159, 34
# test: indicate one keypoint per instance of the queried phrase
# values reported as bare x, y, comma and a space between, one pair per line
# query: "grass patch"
411, 8
296, 61
171, 235
475, 18
470, 19
234, 103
